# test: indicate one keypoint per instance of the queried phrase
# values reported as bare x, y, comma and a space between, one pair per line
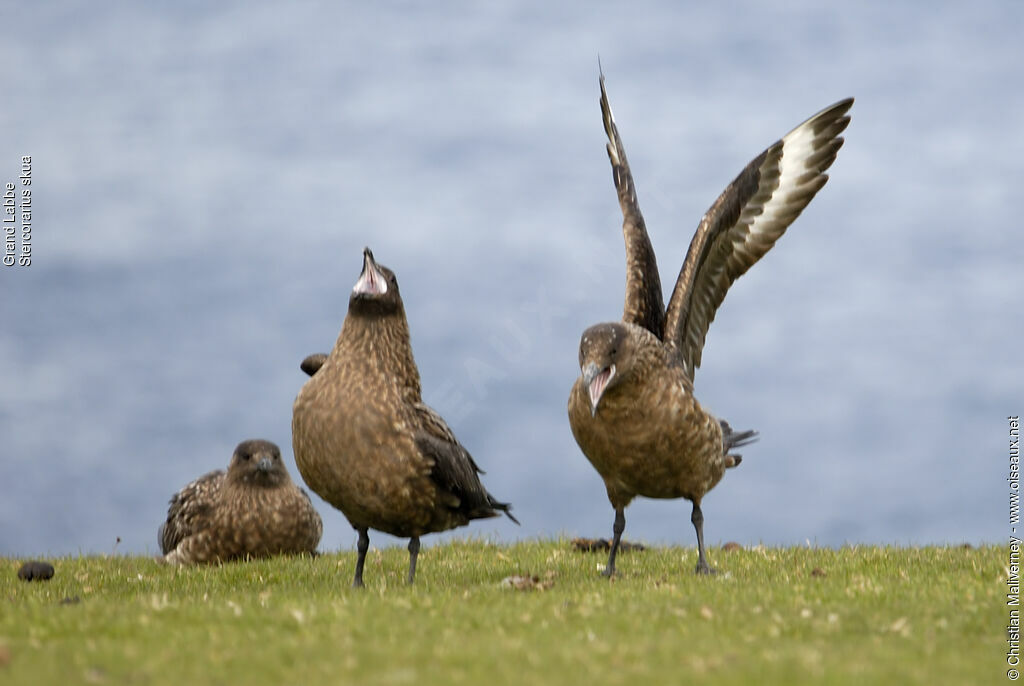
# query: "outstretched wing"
189, 509
454, 472
644, 304
744, 223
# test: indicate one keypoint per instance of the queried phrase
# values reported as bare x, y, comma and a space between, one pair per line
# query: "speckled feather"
650, 436
365, 441
632, 410
244, 512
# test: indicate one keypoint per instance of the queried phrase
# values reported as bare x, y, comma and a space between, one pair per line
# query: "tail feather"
489, 507
504, 507
734, 439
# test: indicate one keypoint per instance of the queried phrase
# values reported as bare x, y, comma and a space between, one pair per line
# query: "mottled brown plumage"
632, 410
365, 441
252, 510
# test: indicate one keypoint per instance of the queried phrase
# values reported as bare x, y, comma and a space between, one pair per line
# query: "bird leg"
414, 551
697, 517
361, 547
617, 528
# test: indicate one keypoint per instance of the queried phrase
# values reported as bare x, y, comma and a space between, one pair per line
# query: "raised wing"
644, 304
744, 223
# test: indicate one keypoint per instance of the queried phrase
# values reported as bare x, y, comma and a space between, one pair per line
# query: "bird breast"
651, 439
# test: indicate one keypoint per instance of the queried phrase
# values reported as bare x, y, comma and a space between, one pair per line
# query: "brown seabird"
365, 441
632, 410
252, 510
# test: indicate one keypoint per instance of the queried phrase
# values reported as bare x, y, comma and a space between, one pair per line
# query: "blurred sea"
205, 178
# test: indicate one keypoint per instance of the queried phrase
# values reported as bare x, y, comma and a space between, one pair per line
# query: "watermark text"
1013, 568
16, 220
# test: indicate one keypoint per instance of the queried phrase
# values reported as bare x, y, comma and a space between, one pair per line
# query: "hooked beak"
264, 464
596, 380
371, 280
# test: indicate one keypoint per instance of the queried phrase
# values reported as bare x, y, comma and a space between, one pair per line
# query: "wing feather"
644, 304
189, 510
454, 472
745, 222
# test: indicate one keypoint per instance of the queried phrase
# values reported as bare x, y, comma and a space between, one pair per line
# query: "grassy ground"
774, 616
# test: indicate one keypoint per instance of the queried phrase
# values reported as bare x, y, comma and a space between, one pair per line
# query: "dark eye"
246, 456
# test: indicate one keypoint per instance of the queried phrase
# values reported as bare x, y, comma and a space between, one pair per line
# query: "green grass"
774, 616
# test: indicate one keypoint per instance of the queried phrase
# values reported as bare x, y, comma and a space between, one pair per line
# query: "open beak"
371, 280
596, 380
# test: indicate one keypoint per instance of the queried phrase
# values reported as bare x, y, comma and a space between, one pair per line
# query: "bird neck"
383, 344
247, 479
648, 360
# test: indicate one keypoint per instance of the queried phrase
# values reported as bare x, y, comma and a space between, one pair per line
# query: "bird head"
311, 365
376, 291
606, 354
257, 463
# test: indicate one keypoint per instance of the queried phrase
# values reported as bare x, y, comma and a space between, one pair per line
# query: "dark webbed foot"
705, 569
361, 547
617, 528
414, 551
